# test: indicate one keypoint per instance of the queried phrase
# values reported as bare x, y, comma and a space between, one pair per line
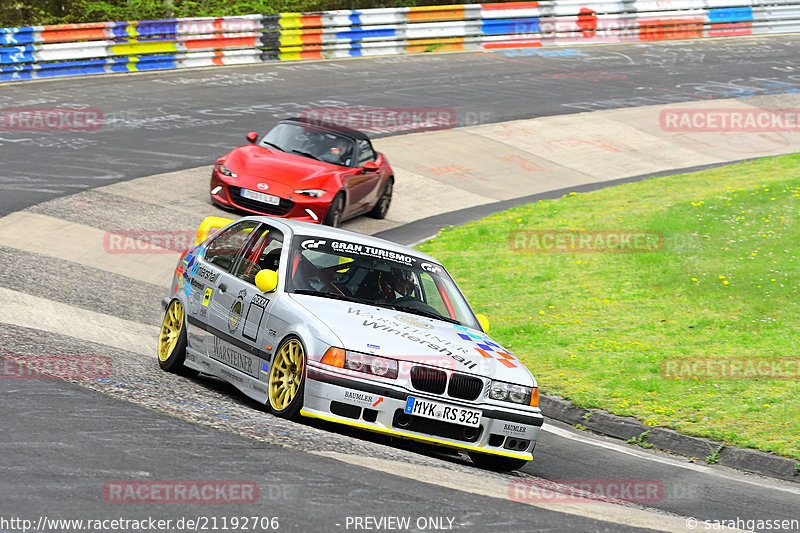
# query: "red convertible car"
305, 171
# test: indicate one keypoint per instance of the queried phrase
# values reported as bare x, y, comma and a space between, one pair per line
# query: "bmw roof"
299, 227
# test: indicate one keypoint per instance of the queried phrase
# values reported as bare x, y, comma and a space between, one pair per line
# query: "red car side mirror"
252, 136
370, 166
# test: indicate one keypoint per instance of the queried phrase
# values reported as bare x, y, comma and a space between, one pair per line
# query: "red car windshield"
305, 141
375, 276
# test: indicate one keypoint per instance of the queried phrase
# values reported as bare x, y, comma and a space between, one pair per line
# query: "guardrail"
77, 49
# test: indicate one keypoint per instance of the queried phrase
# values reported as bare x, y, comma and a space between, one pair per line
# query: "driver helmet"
402, 282
340, 146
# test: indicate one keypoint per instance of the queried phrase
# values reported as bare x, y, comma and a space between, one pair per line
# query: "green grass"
599, 328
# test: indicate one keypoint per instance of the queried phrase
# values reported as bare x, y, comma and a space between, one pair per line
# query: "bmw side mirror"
370, 166
484, 322
252, 136
267, 280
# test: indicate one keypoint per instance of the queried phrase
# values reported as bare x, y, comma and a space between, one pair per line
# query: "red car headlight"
311, 193
225, 171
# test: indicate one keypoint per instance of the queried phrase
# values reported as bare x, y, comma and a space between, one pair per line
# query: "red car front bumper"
296, 206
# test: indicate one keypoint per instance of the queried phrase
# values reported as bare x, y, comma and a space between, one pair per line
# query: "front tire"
334, 216
497, 463
172, 341
382, 207
287, 379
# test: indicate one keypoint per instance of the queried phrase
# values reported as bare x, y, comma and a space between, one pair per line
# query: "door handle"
223, 287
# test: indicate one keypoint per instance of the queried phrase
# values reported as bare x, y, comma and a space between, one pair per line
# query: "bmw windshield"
375, 276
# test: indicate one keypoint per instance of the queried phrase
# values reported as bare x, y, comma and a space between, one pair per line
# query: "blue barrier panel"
358, 34
24, 35
510, 26
355, 50
730, 14
16, 72
71, 68
118, 64
166, 61
126, 46
17, 54
160, 28
119, 30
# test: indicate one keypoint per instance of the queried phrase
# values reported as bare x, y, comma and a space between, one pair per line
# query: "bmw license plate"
443, 412
261, 197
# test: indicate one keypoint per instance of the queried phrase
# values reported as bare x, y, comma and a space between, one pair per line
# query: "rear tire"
334, 216
172, 341
382, 207
497, 463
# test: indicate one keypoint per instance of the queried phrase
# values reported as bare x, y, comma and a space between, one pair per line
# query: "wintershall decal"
414, 334
207, 274
233, 358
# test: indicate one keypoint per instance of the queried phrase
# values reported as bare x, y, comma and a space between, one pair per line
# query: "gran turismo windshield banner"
337, 247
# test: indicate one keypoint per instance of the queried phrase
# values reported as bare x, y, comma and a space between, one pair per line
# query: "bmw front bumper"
380, 407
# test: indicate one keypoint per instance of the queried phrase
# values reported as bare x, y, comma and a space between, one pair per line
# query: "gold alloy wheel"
286, 374
170, 330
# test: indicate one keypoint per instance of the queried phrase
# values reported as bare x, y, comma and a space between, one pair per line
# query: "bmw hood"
411, 337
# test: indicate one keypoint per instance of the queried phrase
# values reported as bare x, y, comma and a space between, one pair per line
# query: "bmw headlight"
508, 392
382, 367
225, 171
311, 193
370, 364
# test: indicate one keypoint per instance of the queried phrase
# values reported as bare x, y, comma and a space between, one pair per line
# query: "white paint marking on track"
496, 488
85, 245
28, 311
641, 454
